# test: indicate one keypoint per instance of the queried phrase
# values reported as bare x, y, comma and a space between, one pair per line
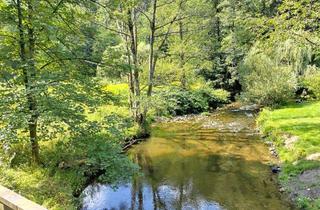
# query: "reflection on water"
215, 162
146, 197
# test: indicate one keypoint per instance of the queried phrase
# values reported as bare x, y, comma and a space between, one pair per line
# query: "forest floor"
293, 131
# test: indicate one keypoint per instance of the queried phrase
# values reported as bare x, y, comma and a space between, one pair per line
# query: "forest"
84, 81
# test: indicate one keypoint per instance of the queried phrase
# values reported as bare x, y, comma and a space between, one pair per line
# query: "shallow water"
204, 162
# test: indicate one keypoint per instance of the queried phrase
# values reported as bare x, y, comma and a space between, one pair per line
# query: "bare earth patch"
290, 140
315, 156
306, 184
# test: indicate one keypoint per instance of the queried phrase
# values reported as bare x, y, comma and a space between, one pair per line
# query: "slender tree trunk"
183, 78
32, 98
135, 73
152, 58
152, 62
130, 77
29, 73
127, 39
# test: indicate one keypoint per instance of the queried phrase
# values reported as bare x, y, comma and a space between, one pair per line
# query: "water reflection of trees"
195, 169
177, 182
137, 184
164, 195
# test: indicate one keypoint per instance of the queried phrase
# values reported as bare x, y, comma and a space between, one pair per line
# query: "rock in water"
275, 169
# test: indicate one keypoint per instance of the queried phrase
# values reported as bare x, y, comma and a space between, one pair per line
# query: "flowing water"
203, 162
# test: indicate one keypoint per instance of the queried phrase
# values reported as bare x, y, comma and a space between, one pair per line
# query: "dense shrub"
312, 80
178, 101
264, 82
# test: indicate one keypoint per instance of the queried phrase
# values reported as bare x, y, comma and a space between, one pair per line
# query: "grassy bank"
295, 132
52, 190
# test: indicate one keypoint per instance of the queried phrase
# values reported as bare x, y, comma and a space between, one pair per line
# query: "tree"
39, 93
129, 16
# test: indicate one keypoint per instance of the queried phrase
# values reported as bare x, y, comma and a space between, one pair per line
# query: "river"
202, 162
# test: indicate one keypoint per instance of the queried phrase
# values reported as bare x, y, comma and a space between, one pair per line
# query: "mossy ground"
303, 122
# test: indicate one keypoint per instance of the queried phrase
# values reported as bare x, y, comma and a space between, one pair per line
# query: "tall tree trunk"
152, 57
183, 78
122, 26
29, 73
152, 64
130, 76
135, 73
32, 97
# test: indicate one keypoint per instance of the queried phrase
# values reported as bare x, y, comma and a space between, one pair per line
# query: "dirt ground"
306, 184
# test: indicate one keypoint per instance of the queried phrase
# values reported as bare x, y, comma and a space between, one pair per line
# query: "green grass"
40, 186
302, 121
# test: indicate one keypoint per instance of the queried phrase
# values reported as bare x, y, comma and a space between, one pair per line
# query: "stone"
275, 169
315, 156
289, 140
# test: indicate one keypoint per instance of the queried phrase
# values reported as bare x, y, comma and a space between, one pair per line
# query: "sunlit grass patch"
300, 120
36, 184
295, 131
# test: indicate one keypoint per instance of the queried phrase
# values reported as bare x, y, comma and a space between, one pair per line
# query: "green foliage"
97, 157
120, 93
264, 81
179, 101
113, 63
77, 44
311, 81
303, 203
307, 204
71, 160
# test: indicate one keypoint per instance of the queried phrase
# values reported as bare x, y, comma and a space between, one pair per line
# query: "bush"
178, 101
312, 80
264, 82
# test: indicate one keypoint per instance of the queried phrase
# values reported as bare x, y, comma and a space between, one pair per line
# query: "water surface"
204, 162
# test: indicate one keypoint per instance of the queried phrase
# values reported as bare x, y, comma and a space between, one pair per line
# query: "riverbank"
68, 164
294, 133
